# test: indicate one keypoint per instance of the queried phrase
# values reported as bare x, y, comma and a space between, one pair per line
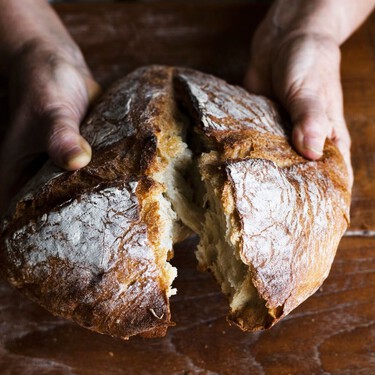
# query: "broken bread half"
93, 245
273, 220
176, 151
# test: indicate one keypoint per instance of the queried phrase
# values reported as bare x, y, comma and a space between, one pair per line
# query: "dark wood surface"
333, 332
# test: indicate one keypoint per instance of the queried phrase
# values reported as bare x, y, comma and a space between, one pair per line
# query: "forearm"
335, 19
28, 22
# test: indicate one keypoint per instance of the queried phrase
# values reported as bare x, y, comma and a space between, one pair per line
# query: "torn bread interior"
176, 152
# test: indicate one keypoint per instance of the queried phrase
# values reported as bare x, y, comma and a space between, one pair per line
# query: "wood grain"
333, 332
216, 39
116, 39
358, 79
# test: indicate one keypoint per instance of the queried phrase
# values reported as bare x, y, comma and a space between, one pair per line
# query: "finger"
340, 134
335, 112
65, 146
341, 138
307, 82
94, 90
315, 120
345, 152
311, 125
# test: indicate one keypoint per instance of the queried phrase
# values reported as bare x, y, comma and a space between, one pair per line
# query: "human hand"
50, 88
49, 96
295, 57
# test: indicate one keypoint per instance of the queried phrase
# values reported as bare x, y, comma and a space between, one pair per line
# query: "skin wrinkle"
296, 51
285, 272
269, 263
120, 232
36, 27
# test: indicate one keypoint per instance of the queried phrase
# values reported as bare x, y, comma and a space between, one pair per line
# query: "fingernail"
314, 145
85, 146
78, 157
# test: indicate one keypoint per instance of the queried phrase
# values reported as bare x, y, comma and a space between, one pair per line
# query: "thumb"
65, 146
311, 125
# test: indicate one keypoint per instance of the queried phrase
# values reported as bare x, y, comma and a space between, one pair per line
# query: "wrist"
335, 20
34, 26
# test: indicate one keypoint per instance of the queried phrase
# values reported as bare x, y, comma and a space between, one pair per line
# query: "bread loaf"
177, 151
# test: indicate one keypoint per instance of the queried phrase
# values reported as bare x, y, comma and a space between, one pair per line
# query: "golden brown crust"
82, 244
291, 212
88, 245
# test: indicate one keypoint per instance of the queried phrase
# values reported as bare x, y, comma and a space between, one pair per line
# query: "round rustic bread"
175, 151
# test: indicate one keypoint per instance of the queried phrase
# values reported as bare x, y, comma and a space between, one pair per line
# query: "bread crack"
194, 185
177, 152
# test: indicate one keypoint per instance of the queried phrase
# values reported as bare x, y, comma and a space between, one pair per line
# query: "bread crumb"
152, 311
111, 354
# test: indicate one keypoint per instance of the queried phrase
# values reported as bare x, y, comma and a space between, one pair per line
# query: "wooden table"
333, 332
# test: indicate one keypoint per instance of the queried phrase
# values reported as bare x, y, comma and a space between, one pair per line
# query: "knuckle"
314, 132
60, 141
314, 41
49, 53
55, 111
304, 96
307, 108
342, 136
58, 135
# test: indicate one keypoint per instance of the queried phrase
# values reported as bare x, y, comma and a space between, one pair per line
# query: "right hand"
50, 91
297, 60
